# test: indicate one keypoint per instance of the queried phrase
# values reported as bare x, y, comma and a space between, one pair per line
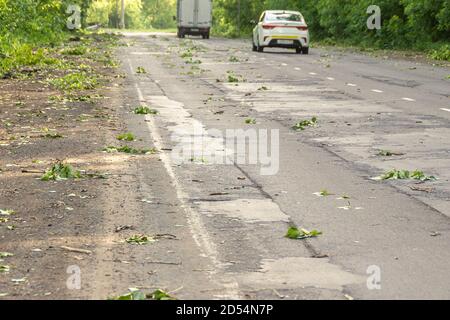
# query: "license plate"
194, 30
284, 41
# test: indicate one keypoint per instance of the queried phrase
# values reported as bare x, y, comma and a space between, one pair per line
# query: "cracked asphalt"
227, 214
237, 217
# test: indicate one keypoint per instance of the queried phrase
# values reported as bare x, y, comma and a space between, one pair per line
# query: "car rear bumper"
280, 41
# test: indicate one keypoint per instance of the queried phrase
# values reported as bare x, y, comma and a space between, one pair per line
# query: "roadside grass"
75, 51
18, 55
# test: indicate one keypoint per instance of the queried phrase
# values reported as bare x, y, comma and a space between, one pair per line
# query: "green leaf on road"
5, 254
161, 295
141, 70
302, 125
61, 171
140, 239
144, 110
126, 137
295, 233
4, 269
6, 212
395, 174
129, 150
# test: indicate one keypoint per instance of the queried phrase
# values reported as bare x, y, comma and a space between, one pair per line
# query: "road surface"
387, 240
222, 209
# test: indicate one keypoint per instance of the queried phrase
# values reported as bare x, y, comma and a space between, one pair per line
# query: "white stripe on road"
377, 91
408, 99
445, 109
313, 73
199, 232
330, 78
297, 68
351, 85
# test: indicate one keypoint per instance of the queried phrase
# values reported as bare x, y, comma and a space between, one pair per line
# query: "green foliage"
416, 24
75, 81
442, 53
61, 171
129, 150
126, 137
299, 234
395, 174
302, 125
144, 110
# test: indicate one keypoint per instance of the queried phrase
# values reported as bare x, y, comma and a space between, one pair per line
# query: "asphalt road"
380, 239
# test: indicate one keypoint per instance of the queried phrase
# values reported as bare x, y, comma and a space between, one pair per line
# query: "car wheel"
298, 50
254, 48
305, 50
259, 48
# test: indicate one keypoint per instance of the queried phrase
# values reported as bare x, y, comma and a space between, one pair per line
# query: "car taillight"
268, 26
302, 28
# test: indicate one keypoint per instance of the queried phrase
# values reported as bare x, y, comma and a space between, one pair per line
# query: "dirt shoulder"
49, 114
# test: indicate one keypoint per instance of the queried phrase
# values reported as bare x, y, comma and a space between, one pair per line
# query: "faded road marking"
409, 99
445, 109
377, 91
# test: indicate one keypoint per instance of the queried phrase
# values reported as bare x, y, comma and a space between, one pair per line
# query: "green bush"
443, 53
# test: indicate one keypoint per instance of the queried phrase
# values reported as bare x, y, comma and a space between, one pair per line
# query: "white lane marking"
131, 67
313, 73
199, 232
445, 109
330, 78
297, 68
408, 99
351, 85
284, 64
377, 91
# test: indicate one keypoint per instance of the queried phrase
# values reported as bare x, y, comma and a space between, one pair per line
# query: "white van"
194, 17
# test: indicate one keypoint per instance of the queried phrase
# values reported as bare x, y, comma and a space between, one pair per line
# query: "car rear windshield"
284, 17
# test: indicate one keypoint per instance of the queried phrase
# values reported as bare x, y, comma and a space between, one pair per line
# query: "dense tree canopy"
417, 24
405, 23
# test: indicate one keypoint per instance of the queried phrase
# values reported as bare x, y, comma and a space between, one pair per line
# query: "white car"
281, 29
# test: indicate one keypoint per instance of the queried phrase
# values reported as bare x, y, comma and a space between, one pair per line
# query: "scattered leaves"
6, 212
387, 153
4, 268
140, 239
141, 70
144, 110
323, 193
5, 254
302, 125
126, 137
61, 171
298, 234
129, 150
395, 174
